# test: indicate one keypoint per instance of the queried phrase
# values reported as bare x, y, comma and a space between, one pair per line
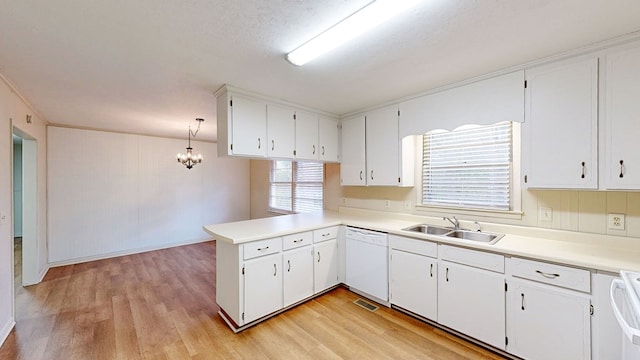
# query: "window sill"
485, 213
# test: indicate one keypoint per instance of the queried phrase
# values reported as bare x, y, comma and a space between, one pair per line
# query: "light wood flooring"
161, 305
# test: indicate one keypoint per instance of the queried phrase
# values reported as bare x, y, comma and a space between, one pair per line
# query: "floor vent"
366, 305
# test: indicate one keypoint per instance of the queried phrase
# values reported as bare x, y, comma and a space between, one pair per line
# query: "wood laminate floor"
161, 305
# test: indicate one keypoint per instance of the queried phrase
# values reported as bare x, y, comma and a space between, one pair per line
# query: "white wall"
17, 189
113, 193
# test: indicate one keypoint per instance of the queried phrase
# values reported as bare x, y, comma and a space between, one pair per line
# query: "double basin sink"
462, 234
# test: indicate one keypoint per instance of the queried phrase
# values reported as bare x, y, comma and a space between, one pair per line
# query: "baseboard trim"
6, 330
123, 253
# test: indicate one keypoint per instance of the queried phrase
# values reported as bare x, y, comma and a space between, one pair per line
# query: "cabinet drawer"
296, 240
325, 234
415, 246
559, 275
479, 259
262, 247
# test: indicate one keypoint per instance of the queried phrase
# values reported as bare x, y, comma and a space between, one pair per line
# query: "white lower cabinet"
297, 275
414, 283
548, 323
325, 265
262, 286
472, 301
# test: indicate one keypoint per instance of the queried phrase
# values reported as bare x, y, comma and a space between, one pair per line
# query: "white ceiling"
151, 67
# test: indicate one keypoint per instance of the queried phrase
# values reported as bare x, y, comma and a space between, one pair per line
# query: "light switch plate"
546, 214
615, 221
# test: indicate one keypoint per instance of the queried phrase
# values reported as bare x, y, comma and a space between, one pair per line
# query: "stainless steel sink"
429, 229
477, 236
483, 237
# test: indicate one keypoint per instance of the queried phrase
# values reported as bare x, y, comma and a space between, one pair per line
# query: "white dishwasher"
367, 268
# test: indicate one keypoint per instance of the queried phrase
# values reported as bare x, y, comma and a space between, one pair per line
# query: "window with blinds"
296, 187
469, 167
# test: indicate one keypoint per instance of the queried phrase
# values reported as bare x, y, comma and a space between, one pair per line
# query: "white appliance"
367, 269
626, 309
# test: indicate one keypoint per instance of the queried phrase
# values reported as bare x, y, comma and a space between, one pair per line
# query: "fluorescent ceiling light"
364, 19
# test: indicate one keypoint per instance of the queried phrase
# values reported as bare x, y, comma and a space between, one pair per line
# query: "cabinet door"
472, 301
352, 166
328, 139
561, 128
249, 122
548, 323
414, 283
297, 275
262, 286
325, 263
280, 132
383, 147
622, 120
306, 136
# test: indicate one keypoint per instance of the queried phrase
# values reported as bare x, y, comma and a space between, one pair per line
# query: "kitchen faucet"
455, 222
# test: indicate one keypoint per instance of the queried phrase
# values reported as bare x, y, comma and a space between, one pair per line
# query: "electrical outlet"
343, 201
615, 221
387, 204
546, 214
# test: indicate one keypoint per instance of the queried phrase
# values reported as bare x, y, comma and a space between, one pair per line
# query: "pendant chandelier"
189, 159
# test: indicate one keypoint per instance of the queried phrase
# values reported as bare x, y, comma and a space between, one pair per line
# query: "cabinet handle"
431, 271
314, 150
273, 145
264, 248
582, 176
318, 256
322, 150
326, 234
360, 174
259, 143
371, 174
522, 301
289, 263
621, 168
548, 275
446, 275
298, 241
275, 269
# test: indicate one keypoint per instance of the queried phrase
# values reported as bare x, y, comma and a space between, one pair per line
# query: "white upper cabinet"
250, 126
382, 147
280, 131
242, 125
329, 139
622, 121
353, 165
560, 134
306, 136
372, 153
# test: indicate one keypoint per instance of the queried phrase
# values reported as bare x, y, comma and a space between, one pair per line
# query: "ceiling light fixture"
188, 159
375, 13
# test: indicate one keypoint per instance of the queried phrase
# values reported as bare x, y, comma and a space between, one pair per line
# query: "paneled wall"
115, 193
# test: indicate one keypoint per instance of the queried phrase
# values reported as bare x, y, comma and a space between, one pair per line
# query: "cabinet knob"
583, 169
621, 168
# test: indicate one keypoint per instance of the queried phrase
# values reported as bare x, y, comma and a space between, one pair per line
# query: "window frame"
515, 212
292, 186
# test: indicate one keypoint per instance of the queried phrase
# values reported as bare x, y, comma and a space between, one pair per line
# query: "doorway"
25, 214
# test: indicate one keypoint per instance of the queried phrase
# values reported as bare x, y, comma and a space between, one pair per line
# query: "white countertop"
592, 251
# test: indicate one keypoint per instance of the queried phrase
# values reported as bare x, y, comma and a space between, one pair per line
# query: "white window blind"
296, 186
469, 167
